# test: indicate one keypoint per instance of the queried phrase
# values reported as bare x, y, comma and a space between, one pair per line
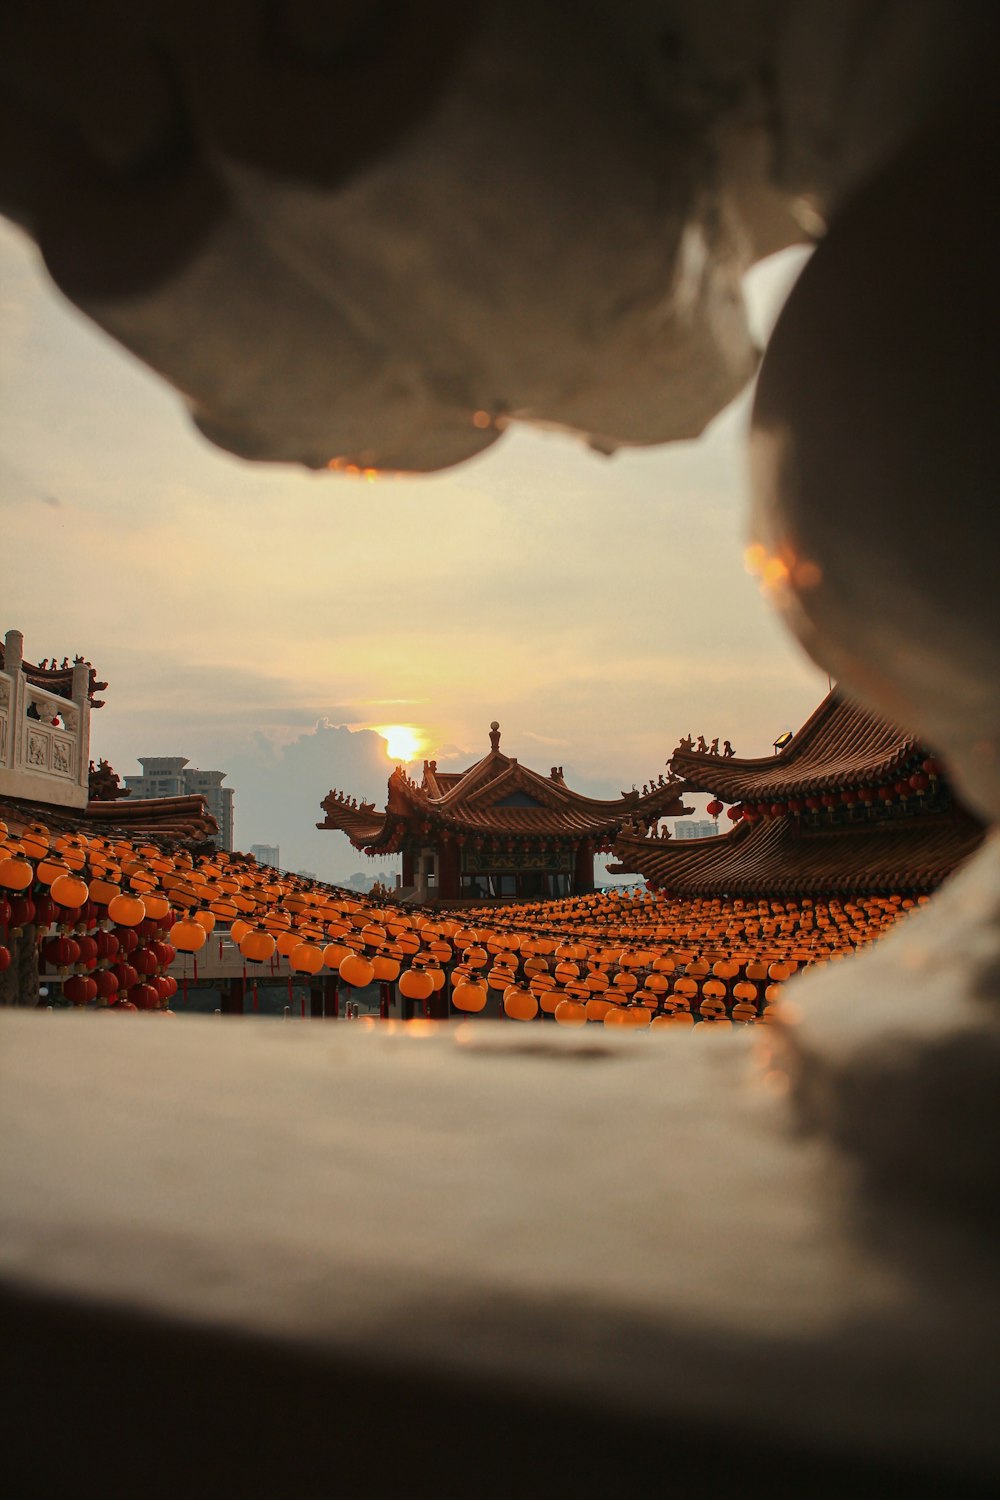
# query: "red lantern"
80, 989
919, 783
22, 911
932, 766
60, 952
45, 911
121, 1005
144, 996
128, 939
88, 951
867, 795
814, 803
165, 986
4, 911
778, 809
794, 805
106, 944
125, 975
829, 801
734, 813
107, 984
144, 961
714, 808
4, 958
886, 793
165, 953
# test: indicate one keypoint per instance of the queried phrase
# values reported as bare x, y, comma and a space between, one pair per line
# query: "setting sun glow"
403, 740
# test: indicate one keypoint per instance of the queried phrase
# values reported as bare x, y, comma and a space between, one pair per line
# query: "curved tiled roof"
782, 857
841, 745
497, 796
59, 680
175, 820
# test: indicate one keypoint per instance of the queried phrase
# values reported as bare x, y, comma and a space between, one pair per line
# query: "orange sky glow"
244, 615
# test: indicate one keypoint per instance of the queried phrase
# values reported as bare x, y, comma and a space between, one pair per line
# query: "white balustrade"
44, 737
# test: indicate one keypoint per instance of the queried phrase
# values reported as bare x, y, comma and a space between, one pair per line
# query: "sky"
263, 620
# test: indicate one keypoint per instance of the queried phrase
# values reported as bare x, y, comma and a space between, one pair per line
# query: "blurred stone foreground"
322, 1261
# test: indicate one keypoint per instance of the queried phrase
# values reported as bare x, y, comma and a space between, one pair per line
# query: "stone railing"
44, 738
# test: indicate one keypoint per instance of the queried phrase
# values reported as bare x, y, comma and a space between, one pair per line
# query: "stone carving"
37, 751
61, 756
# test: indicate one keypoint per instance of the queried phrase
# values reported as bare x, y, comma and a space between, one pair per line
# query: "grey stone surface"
378, 236
633, 1225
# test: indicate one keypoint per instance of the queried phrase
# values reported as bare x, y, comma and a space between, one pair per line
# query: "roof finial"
494, 735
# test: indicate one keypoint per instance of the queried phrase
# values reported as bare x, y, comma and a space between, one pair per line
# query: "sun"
404, 741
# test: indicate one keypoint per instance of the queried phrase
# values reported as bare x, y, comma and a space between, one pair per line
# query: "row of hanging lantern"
120, 916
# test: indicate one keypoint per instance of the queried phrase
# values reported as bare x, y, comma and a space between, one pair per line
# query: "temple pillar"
448, 870
583, 869
408, 879
231, 1003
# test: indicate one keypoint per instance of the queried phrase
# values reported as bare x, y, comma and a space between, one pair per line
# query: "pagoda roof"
781, 857
59, 679
841, 745
173, 820
496, 796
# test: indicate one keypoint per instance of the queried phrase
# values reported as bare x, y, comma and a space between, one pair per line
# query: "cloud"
279, 788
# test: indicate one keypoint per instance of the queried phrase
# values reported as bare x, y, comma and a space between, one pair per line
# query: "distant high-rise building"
168, 776
695, 828
267, 854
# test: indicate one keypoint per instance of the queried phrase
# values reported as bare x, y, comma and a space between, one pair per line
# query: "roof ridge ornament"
495, 735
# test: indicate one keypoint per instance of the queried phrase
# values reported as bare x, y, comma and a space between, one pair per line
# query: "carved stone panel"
62, 756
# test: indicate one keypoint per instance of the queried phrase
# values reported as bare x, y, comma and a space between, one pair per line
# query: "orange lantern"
416, 984
306, 958
128, 911
102, 891
186, 935
571, 1013
16, 874
69, 890
519, 1004
469, 997
357, 970
257, 946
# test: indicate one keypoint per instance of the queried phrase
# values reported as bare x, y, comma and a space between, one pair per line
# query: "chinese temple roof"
59, 678
497, 796
841, 745
782, 857
171, 820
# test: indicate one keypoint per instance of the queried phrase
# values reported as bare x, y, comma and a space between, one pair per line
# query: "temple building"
496, 831
851, 805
